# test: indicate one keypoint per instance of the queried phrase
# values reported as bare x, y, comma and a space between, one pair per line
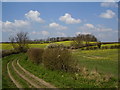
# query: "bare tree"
20, 41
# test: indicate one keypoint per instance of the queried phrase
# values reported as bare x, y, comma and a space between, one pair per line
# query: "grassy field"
102, 60
6, 81
67, 43
105, 61
9, 46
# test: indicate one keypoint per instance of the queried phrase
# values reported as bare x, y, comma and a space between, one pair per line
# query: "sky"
60, 19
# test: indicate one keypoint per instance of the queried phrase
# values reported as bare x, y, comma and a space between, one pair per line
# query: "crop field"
100, 65
5, 46
104, 61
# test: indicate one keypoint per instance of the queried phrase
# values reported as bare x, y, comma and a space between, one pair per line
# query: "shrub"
75, 45
105, 47
8, 52
58, 59
53, 45
99, 45
35, 55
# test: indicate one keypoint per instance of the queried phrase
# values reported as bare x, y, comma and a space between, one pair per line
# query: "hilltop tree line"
83, 37
21, 40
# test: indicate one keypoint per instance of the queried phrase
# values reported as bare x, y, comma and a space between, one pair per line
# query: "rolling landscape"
48, 52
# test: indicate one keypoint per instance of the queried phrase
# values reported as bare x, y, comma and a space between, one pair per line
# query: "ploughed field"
102, 61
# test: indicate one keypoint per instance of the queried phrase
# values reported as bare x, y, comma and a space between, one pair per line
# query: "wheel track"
48, 85
25, 78
32, 80
11, 77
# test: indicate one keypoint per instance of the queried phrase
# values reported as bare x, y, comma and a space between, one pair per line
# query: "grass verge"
66, 80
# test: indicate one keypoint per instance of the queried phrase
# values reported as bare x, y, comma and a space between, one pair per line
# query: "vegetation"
100, 60
80, 39
6, 81
20, 42
84, 79
84, 63
35, 55
58, 59
103, 77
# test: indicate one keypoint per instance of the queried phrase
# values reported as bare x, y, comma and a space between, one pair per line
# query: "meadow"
100, 65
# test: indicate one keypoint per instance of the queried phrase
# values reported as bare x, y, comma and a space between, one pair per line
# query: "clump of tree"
83, 40
20, 41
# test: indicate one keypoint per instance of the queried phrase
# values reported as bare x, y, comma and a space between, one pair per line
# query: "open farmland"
102, 60
90, 59
5, 46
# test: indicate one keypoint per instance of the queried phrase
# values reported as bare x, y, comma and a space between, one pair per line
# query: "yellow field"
9, 46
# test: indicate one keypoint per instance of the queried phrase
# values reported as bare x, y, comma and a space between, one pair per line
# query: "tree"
20, 41
81, 38
99, 44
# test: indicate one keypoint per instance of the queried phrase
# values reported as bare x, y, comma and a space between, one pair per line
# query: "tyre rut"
11, 77
25, 78
48, 85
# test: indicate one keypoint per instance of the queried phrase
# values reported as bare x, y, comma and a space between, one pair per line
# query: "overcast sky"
52, 19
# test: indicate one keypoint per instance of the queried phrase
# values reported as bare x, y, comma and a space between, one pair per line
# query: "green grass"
17, 77
6, 81
38, 45
67, 43
105, 61
64, 80
0, 73
9, 46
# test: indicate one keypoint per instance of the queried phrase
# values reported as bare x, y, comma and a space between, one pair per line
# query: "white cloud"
89, 25
57, 26
109, 4
103, 29
111, 0
19, 25
35, 33
45, 33
108, 14
14, 26
97, 28
60, 34
67, 18
77, 33
34, 16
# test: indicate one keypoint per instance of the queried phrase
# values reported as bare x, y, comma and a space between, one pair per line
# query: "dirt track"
27, 76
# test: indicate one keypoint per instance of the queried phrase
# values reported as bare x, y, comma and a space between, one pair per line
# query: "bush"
58, 59
105, 47
8, 52
35, 55
75, 45
53, 45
